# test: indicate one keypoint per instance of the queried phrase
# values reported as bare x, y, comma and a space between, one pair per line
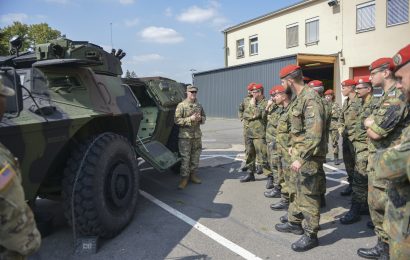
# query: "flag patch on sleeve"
7, 174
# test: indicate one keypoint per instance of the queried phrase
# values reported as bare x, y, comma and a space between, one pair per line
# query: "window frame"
387, 12
310, 20
250, 45
361, 5
297, 35
240, 47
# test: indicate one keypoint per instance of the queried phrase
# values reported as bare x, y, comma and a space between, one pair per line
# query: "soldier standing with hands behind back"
189, 115
19, 236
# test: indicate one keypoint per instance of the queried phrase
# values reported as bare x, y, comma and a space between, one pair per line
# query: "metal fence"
222, 90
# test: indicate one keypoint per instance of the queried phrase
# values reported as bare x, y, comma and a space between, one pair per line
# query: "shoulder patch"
392, 94
7, 174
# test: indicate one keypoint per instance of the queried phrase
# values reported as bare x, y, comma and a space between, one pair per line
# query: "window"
253, 45
397, 12
292, 38
240, 46
312, 31
365, 16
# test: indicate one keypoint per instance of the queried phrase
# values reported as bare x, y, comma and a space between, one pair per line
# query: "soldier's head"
329, 95
348, 87
291, 76
279, 95
4, 93
249, 88
363, 87
381, 70
257, 91
402, 72
191, 92
317, 86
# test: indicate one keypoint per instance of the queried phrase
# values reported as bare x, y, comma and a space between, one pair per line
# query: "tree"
32, 34
128, 74
133, 75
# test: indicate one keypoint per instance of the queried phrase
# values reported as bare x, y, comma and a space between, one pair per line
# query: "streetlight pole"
192, 75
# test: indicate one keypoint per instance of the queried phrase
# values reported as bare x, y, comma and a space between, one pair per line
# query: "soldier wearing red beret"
334, 123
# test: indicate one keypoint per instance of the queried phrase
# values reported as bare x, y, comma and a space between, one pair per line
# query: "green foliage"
32, 34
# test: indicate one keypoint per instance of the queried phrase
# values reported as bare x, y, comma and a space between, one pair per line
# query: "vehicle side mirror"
11, 79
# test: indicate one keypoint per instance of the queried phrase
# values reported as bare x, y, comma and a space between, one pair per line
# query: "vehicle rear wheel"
100, 185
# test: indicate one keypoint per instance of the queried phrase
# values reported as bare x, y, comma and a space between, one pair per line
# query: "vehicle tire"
101, 181
172, 145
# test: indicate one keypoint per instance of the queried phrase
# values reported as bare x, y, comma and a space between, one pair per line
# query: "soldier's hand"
270, 102
295, 166
290, 151
368, 122
193, 118
253, 101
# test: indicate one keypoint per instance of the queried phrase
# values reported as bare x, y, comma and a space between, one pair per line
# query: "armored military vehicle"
78, 128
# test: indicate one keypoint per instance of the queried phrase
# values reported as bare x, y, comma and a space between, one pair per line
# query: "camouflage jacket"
254, 115
242, 106
360, 139
187, 127
18, 232
394, 166
283, 130
307, 120
335, 114
349, 117
272, 117
389, 119
328, 116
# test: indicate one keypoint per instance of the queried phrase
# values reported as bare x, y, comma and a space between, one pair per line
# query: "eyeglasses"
194, 92
360, 88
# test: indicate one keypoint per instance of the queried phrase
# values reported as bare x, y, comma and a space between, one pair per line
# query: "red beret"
402, 57
285, 71
315, 83
250, 86
364, 79
276, 89
329, 92
306, 78
256, 86
388, 62
349, 82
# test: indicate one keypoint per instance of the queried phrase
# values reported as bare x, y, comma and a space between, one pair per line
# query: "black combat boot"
352, 216
249, 177
284, 218
348, 191
384, 253
258, 169
244, 168
373, 252
370, 224
281, 205
337, 161
364, 209
273, 193
322, 201
290, 228
269, 182
305, 243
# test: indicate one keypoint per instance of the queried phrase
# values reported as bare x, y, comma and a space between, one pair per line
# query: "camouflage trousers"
275, 163
288, 183
306, 210
348, 158
257, 147
360, 180
250, 154
400, 250
190, 150
334, 137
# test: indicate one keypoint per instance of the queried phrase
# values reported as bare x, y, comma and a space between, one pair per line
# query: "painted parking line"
203, 229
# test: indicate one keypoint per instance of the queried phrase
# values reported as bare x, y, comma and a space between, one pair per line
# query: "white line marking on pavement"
213, 235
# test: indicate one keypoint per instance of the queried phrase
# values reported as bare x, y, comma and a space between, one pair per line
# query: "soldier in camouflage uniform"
334, 124
384, 127
272, 113
19, 236
394, 166
347, 121
359, 205
189, 115
307, 156
249, 162
256, 132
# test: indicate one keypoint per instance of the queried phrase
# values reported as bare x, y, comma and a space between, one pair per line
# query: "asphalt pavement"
219, 219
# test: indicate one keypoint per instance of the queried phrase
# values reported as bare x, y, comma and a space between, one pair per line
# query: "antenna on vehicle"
112, 45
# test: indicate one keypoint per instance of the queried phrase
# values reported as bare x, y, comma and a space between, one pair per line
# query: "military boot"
183, 183
281, 205
364, 209
336, 156
305, 243
290, 228
284, 218
273, 193
384, 253
194, 179
347, 191
352, 216
373, 252
244, 167
322, 201
258, 169
249, 177
269, 182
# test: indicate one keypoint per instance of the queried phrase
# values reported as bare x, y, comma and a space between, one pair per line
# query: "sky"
168, 38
